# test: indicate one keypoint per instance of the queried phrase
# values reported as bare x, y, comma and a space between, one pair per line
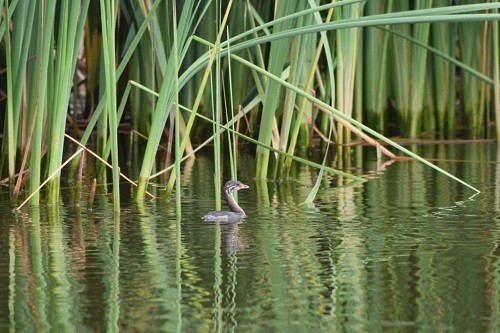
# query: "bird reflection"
234, 241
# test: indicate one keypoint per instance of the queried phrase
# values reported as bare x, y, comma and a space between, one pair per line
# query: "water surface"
408, 250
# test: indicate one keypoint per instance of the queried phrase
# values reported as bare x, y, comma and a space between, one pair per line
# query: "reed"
496, 75
231, 137
441, 69
408, 78
472, 43
108, 10
166, 96
293, 66
213, 55
347, 45
71, 22
178, 153
375, 78
278, 55
305, 65
9, 143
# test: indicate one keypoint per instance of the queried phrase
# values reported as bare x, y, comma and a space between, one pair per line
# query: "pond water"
408, 250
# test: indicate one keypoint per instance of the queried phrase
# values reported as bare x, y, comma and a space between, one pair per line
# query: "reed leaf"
282, 55
496, 76
417, 76
229, 128
303, 64
178, 153
21, 39
36, 104
108, 12
356, 123
441, 68
216, 115
119, 71
375, 78
164, 104
10, 140
213, 54
231, 137
471, 46
278, 55
71, 22
347, 44
330, 69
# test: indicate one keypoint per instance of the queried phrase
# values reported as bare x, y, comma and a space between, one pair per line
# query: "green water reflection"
408, 250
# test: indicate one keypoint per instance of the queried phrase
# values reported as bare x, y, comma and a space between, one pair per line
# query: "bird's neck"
233, 205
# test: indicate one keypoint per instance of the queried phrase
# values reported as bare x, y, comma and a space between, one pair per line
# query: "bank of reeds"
297, 73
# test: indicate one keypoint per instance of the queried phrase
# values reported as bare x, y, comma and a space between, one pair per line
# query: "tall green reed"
346, 49
375, 78
166, 98
34, 83
292, 39
108, 15
178, 153
496, 75
10, 141
343, 24
216, 107
278, 55
473, 44
38, 96
229, 127
408, 77
213, 54
298, 117
442, 35
72, 17
308, 72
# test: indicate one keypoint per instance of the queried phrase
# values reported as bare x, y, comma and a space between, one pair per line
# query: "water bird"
235, 213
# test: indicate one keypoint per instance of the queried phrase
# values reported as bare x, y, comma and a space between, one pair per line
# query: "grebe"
236, 213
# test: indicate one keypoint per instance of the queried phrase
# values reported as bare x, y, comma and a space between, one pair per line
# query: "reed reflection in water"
408, 249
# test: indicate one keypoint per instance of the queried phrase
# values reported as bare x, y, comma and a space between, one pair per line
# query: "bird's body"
235, 213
